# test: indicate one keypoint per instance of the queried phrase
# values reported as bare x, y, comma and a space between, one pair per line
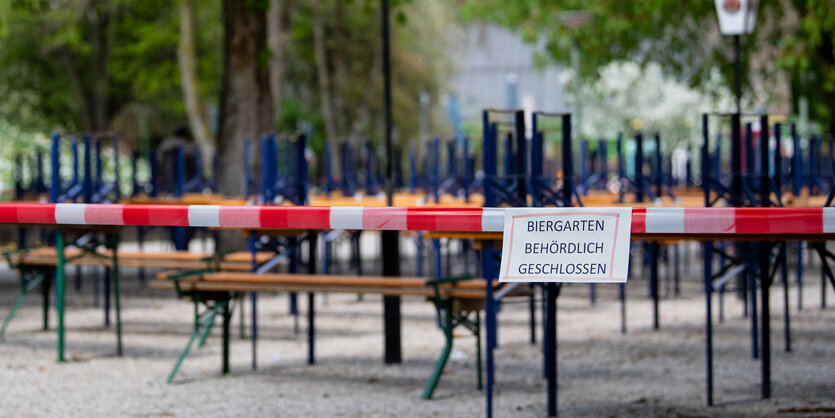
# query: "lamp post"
573, 19
390, 239
736, 18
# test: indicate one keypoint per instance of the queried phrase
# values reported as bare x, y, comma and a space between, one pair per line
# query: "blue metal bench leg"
114, 246
708, 282
478, 348
241, 318
752, 299
622, 294
311, 329
107, 297
254, 303
490, 321
800, 276
653, 283
254, 327
784, 278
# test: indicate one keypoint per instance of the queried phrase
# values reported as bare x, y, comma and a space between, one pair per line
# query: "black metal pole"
311, 299
567, 161
391, 250
708, 278
387, 100
654, 248
521, 152
639, 167
765, 282
227, 316
551, 347
736, 126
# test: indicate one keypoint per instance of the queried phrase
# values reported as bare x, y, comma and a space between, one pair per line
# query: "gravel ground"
601, 371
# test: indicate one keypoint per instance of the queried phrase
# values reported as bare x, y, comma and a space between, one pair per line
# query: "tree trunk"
77, 88
826, 54
325, 101
279, 18
246, 102
829, 99
187, 61
340, 78
99, 15
362, 118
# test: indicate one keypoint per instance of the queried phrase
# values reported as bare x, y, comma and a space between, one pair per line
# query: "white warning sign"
581, 245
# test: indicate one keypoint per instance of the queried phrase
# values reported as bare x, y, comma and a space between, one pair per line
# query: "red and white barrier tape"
644, 220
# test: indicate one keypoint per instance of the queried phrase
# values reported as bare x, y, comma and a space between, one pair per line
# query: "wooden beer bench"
37, 266
458, 302
47, 256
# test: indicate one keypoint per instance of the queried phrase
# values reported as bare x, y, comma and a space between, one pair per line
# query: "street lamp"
736, 18
573, 19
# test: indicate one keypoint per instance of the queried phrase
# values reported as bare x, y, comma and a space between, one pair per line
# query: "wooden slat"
188, 285
284, 282
324, 280
237, 261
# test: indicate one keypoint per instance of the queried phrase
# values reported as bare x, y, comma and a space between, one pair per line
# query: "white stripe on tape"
828, 220
70, 213
492, 220
665, 220
346, 217
204, 215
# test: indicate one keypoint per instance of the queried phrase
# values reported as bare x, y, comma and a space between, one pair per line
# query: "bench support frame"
215, 303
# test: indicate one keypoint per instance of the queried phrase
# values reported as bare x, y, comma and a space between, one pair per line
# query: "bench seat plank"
237, 261
284, 282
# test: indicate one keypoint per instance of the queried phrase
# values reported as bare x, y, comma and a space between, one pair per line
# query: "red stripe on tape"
800, 220
273, 217
168, 215
779, 221
309, 217
136, 214
751, 220
36, 213
446, 219
8, 213
639, 220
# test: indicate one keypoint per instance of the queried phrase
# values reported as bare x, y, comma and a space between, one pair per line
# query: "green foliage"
44, 45
353, 49
808, 52
295, 116
682, 37
18, 145
257, 6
